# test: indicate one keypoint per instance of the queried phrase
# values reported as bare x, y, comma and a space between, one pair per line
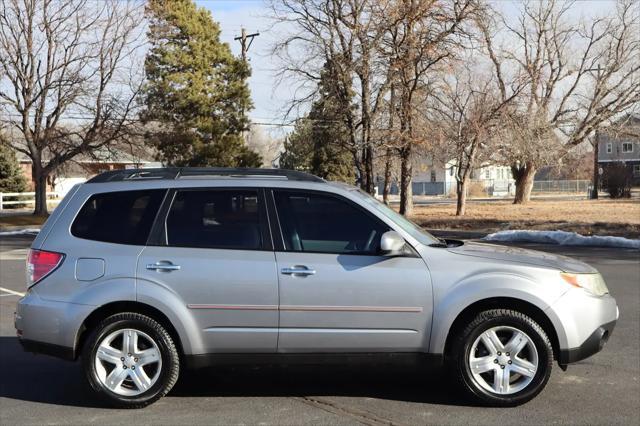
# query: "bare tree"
467, 110
420, 36
339, 37
68, 78
579, 77
260, 141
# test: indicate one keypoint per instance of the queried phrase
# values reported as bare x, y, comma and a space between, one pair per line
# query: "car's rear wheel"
502, 357
131, 360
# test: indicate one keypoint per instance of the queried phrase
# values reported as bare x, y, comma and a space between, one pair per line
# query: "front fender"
477, 288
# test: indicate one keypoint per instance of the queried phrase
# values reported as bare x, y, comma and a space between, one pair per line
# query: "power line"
134, 120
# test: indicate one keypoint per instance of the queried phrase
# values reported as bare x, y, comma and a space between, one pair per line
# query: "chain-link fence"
561, 186
494, 187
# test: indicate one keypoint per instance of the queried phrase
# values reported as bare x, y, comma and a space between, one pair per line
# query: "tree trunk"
596, 174
388, 152
370, 182
364, 177
40, 179
406, 191
461, 192
387, 177
524, 182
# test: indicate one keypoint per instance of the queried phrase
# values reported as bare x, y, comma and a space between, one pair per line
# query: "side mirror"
391, 243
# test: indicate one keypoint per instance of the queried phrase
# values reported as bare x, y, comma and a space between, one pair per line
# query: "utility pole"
245, 48
243, 42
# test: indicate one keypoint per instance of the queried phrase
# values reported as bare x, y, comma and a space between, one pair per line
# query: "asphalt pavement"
604, 389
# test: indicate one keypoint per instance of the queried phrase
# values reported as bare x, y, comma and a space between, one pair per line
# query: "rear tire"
130, 360
502, 358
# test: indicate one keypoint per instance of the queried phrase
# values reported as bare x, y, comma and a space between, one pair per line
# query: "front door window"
319, 223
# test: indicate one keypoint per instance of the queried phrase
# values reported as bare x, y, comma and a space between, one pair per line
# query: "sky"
270, 100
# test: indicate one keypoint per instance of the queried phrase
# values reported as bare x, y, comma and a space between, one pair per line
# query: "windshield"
411, 228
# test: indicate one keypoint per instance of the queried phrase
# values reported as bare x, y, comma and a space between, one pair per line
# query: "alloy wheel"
503, 360
128, 362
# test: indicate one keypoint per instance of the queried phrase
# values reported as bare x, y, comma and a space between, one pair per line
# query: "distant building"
432, 177
83, 167
623, 145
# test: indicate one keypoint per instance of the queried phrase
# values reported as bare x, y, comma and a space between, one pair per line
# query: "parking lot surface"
604, 389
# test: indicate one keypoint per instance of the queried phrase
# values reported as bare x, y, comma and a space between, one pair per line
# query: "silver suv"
143, 272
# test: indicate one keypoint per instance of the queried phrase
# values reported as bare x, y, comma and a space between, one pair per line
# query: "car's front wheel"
502, 357
131, 360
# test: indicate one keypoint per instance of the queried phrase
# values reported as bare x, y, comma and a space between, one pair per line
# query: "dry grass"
587, 217
23, 219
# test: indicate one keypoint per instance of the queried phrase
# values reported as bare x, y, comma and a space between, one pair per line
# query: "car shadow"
44, 379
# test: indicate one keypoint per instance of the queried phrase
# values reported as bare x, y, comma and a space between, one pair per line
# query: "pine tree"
11, 176
319, 143
196, 93
298, 148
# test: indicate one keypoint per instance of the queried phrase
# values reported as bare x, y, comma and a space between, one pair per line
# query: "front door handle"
298, 270
163, 266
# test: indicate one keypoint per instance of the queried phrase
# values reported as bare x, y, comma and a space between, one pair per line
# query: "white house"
437, 178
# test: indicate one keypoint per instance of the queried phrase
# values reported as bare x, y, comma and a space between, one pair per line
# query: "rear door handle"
163, 266
298, 270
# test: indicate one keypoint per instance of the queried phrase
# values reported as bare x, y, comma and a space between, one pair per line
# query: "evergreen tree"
319, 143
196, 91
11, 176
298, 148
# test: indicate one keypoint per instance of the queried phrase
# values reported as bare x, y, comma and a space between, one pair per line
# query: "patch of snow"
563, 238
27, 231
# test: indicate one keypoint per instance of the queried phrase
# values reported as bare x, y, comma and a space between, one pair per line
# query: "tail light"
41, 263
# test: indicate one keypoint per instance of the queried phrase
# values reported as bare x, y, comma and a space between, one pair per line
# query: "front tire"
502, 358
131, 360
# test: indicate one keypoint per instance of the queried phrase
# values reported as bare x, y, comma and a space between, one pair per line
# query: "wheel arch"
523, 306
106, 310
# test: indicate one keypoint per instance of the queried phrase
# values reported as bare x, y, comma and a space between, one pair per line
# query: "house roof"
102, 155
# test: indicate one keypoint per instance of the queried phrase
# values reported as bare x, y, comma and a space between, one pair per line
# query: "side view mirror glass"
391, 243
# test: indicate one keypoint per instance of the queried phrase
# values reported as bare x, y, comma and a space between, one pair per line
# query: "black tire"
169, 371
463, 343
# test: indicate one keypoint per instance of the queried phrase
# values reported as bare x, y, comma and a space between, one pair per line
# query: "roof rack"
202, 172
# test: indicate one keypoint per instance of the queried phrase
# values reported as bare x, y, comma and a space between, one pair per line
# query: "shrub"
616, 180
477, 189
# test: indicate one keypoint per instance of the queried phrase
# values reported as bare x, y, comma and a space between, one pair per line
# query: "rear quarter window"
122, 217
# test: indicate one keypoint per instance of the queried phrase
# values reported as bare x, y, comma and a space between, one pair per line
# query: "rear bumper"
594, 344
49, 327
57, 351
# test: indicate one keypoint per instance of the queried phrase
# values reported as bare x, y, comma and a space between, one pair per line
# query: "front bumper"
583, 324
49, 327
594, 344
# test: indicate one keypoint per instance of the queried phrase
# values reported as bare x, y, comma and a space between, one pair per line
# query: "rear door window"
122, 217
216, 218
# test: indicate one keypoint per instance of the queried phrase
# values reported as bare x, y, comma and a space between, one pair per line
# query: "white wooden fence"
15, 198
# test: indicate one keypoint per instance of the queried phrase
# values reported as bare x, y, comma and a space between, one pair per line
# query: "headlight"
593, 283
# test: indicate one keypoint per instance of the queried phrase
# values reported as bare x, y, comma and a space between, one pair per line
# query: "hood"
519, 255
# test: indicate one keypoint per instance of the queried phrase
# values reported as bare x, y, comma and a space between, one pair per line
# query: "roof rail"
187, 172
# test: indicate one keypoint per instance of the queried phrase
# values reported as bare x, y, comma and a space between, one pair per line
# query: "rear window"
123, 217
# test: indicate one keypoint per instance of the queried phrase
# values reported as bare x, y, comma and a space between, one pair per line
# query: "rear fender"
175, 309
